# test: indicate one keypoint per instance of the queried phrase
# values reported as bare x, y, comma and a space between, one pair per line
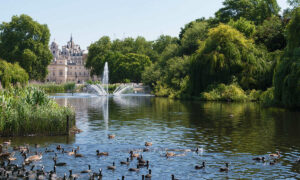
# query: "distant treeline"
248, 51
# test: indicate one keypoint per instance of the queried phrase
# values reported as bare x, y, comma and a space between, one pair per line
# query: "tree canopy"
25, 41
11, 74
252, 10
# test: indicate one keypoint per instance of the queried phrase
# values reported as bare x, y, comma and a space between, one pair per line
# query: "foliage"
226, 54
56, 88
294, 3
252, 10
222, 92
29, 111
123, 63
192, 35
25, 41
12, 74
267, 97
287, 76
244, 26
271, 34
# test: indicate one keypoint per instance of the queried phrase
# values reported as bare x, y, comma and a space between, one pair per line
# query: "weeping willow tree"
287, 77
227, 55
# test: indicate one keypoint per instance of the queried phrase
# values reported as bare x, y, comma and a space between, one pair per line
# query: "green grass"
29, 111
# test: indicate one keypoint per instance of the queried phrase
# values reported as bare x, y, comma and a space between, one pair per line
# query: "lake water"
224, 132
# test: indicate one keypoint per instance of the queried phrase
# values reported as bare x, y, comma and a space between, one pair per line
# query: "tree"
12, 74
294, 3
25, 41
244, 26
252, 10
287, 76
226, 54
162, 42
271, 34
192, 35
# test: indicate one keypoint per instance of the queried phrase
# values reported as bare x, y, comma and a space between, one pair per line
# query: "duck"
88, 170
173, 177
200, 167
225, 169
71, 153
111, 136
170, 154
125, 162
36, 157
275, 155
148, 143
259, 159
146, 149
149, 175
134, 154
113, 167
60, 163
101, 153
77, 154
58, 147
134, 169
48, 150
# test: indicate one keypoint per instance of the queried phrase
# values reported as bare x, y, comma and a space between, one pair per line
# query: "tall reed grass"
29, 111
56, 88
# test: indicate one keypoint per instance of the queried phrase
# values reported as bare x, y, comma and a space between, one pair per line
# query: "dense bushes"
30, 111
11, 74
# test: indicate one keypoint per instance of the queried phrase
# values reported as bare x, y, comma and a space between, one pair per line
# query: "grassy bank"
56, 88
30, 111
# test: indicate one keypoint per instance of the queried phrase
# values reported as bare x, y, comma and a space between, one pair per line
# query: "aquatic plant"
30, 111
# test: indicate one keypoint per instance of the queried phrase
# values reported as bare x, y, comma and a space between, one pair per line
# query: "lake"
223, 132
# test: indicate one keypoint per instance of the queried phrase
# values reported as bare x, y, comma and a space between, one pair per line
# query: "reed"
29, 111
56, 88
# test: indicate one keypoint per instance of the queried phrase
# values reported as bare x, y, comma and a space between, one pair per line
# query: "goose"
200, 167
7, 142
141, 160
113, 167
148, 143
134, 169
149, 175
78, 155
60, 163
146, 149
125, 162
144, 164
170, 154
275, 155
36, 157
298, 160
87, 171
134, 154
111, 136
101, 153
259, 159
72, 176
224, 169
99, 175
173, 177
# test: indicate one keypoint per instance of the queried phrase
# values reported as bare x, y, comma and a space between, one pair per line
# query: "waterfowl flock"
28, 170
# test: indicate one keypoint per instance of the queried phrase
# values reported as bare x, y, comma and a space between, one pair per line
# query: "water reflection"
232, 132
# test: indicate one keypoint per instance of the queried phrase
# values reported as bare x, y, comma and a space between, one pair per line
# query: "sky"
89, 20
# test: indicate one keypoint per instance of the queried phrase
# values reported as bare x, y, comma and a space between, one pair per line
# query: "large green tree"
252, 10
287, 77
25, 41
226, 54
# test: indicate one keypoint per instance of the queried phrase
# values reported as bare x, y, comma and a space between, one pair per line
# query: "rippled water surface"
224, 132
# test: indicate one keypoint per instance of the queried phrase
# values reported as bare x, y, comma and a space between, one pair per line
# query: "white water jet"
105, 79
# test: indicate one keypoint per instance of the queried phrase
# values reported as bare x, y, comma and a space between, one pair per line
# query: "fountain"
102, 89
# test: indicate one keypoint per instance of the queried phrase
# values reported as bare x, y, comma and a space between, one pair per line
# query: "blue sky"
88, 20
